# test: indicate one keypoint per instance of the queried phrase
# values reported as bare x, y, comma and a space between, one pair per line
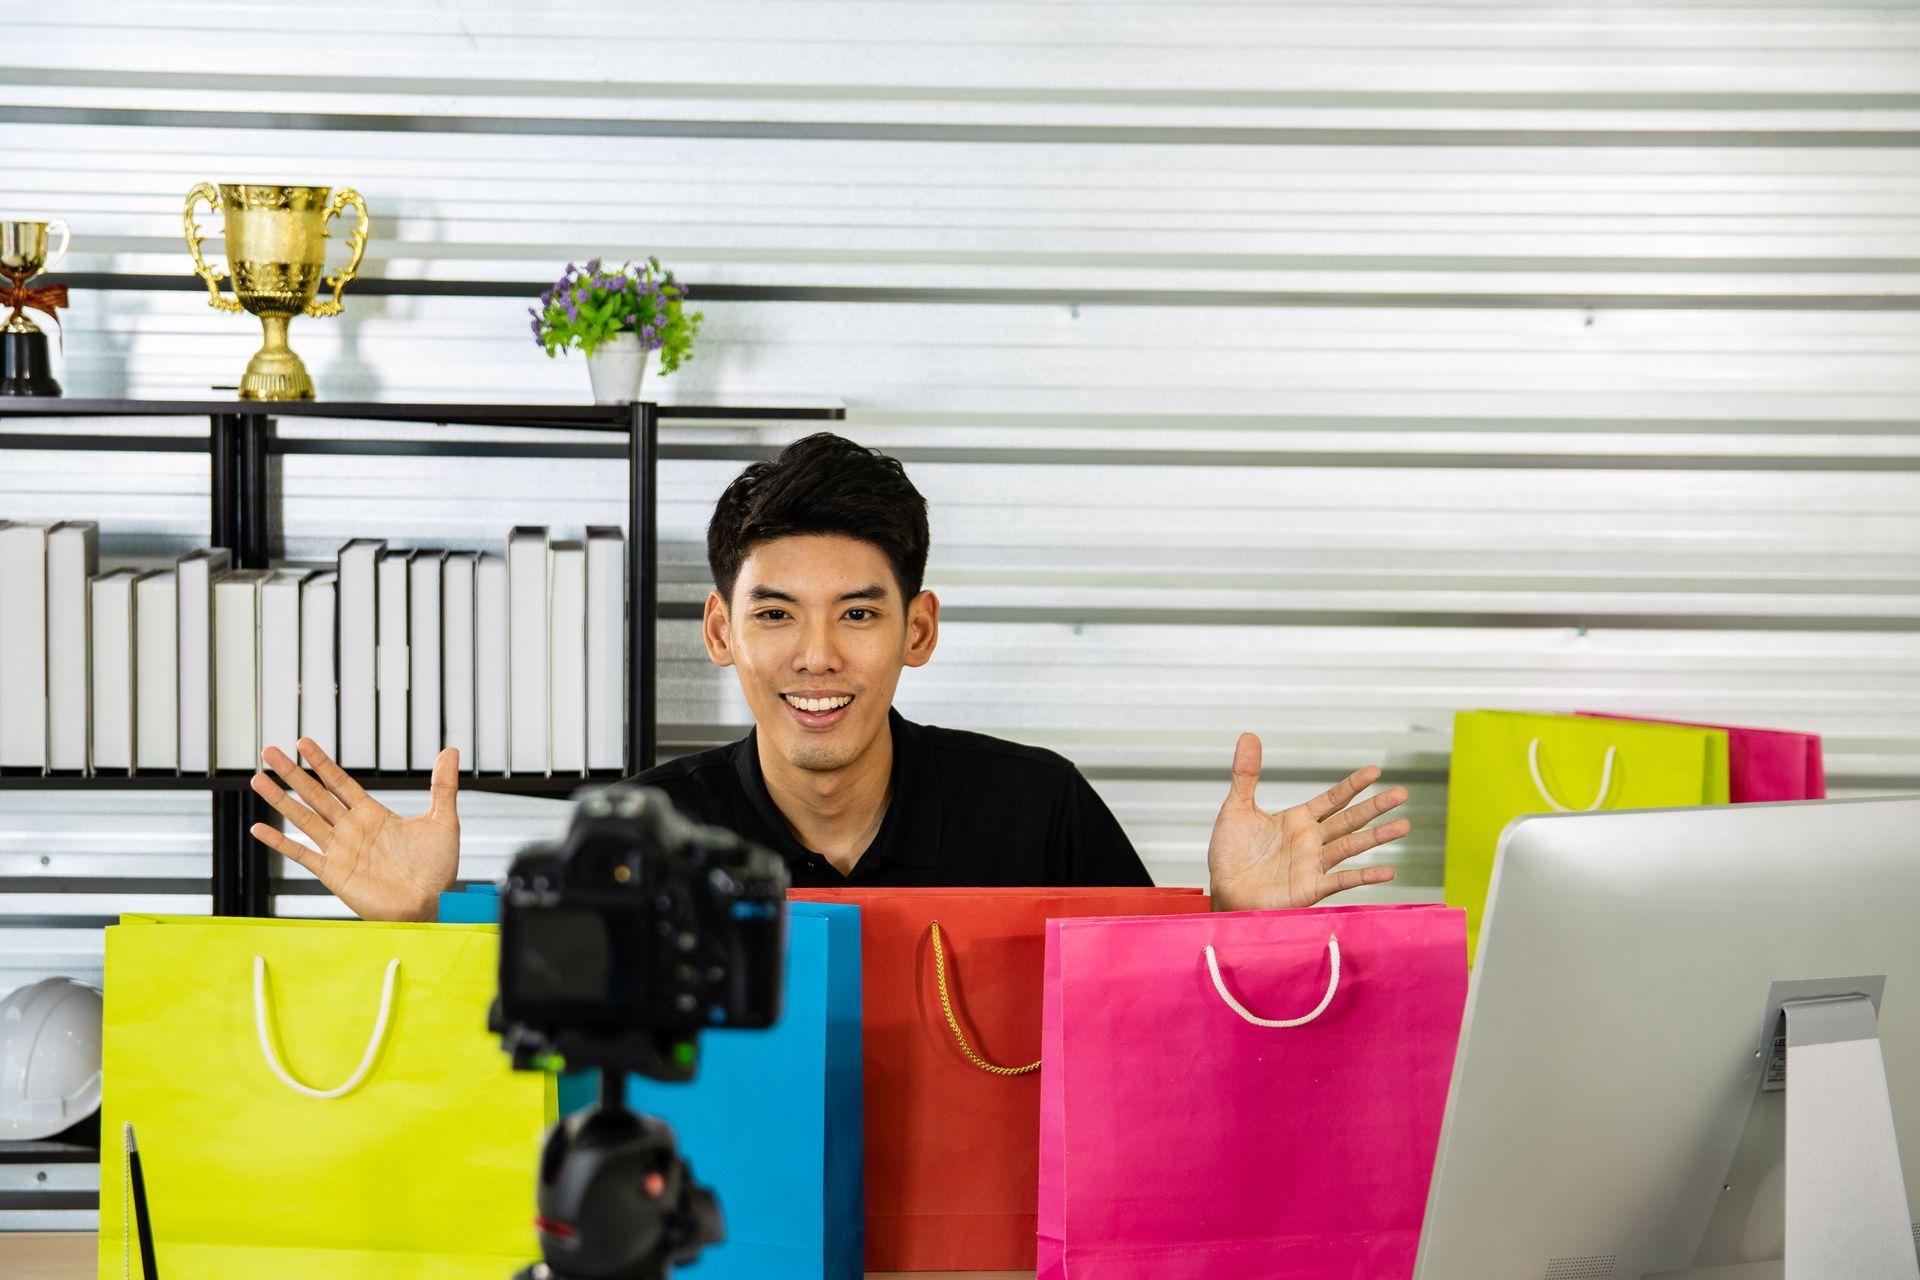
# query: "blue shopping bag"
773, 1121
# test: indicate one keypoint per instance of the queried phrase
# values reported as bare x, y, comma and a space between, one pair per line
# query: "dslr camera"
618, 946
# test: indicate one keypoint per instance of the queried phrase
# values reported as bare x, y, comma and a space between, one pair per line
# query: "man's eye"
772, 615
859, 615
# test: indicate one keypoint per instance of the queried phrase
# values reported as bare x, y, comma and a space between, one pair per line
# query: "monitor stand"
1845, 1198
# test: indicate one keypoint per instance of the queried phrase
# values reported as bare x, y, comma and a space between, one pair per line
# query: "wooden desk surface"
70, 1255
49, 1255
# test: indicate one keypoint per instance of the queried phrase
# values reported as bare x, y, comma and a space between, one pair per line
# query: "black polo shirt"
967, 810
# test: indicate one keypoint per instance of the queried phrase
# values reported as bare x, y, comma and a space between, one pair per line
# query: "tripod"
616, 1200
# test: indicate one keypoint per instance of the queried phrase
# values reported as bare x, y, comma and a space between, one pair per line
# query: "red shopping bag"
1253, 1096
952, 1085
1762, 764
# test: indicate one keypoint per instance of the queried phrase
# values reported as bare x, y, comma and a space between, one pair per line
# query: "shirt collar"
910, 833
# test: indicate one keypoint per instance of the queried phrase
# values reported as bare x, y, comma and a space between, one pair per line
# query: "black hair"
824, 484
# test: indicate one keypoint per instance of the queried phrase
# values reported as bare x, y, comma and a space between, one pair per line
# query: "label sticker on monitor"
1772, 1042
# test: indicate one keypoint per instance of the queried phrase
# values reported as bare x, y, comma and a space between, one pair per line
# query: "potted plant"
617, 316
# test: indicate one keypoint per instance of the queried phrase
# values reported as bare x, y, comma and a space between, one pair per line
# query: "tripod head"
616, 1200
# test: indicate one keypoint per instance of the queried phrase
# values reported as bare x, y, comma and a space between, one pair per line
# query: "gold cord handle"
356, 245
206, 191
953, 1023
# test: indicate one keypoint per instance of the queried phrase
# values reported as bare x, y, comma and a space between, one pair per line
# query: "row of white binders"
518, 660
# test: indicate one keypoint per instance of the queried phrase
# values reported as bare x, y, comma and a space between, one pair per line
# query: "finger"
282, 843
350, 792
1332, 855
303, 784
1246, 771
1341, 881
446, 785
317, 828
1354, 817
1336, 798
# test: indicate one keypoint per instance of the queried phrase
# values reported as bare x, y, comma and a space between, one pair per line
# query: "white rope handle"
1333, 984
1606, 780
273, 1060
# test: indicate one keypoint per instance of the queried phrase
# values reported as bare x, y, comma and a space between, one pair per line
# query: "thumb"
1246, 771
446, 785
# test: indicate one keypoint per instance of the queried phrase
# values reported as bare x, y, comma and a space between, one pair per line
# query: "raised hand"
1259, 860
384, 866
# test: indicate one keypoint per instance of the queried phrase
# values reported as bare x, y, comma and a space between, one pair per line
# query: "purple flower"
646, 334
593, 266
630, 319
573, 314
546, 299
569, 270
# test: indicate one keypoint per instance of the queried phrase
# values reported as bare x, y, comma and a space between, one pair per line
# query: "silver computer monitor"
1616, 1109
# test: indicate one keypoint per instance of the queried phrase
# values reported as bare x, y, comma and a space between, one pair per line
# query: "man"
817, 559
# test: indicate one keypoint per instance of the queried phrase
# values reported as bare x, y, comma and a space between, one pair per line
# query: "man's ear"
923, 628
713, 629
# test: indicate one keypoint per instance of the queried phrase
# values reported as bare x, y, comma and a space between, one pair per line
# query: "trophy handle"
356, 243
66, 238
205, 191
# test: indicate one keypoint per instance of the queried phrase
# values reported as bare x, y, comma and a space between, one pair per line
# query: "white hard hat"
49, 1058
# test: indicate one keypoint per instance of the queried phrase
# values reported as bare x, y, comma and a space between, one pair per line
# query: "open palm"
1259, 860
382, 865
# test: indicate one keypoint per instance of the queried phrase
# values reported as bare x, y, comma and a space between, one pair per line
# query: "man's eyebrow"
872, 591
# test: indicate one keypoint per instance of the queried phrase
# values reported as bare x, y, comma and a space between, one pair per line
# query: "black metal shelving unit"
241, 437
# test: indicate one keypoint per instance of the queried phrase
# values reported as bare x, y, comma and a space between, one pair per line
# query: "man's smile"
817, 710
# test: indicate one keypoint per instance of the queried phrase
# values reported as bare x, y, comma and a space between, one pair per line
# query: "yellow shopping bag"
1509, 763
315, 1100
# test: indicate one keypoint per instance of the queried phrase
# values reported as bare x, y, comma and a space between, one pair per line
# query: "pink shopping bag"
1246, 1096
1762, 764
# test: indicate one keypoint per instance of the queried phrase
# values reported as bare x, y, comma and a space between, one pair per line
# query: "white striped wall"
1314, 369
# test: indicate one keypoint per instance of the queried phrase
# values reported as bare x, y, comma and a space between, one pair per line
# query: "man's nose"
818, 652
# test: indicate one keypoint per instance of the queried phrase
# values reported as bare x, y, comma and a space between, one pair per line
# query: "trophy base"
276, 386
275, 372
25, 367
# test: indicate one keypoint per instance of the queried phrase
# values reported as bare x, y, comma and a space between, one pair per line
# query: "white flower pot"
615, 368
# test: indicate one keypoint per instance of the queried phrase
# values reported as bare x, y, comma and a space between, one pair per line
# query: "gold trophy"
276, 245
24, 367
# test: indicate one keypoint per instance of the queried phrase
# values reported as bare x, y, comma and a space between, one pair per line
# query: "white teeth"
817, 705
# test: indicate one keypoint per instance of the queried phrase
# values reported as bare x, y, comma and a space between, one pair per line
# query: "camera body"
635, 932
618, 946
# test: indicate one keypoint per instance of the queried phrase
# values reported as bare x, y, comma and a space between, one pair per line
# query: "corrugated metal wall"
1315, 369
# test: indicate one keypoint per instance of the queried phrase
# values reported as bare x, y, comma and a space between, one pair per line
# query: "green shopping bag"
315, 1100
1509, 763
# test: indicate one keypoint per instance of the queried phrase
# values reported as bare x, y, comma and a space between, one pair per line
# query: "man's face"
818, 632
